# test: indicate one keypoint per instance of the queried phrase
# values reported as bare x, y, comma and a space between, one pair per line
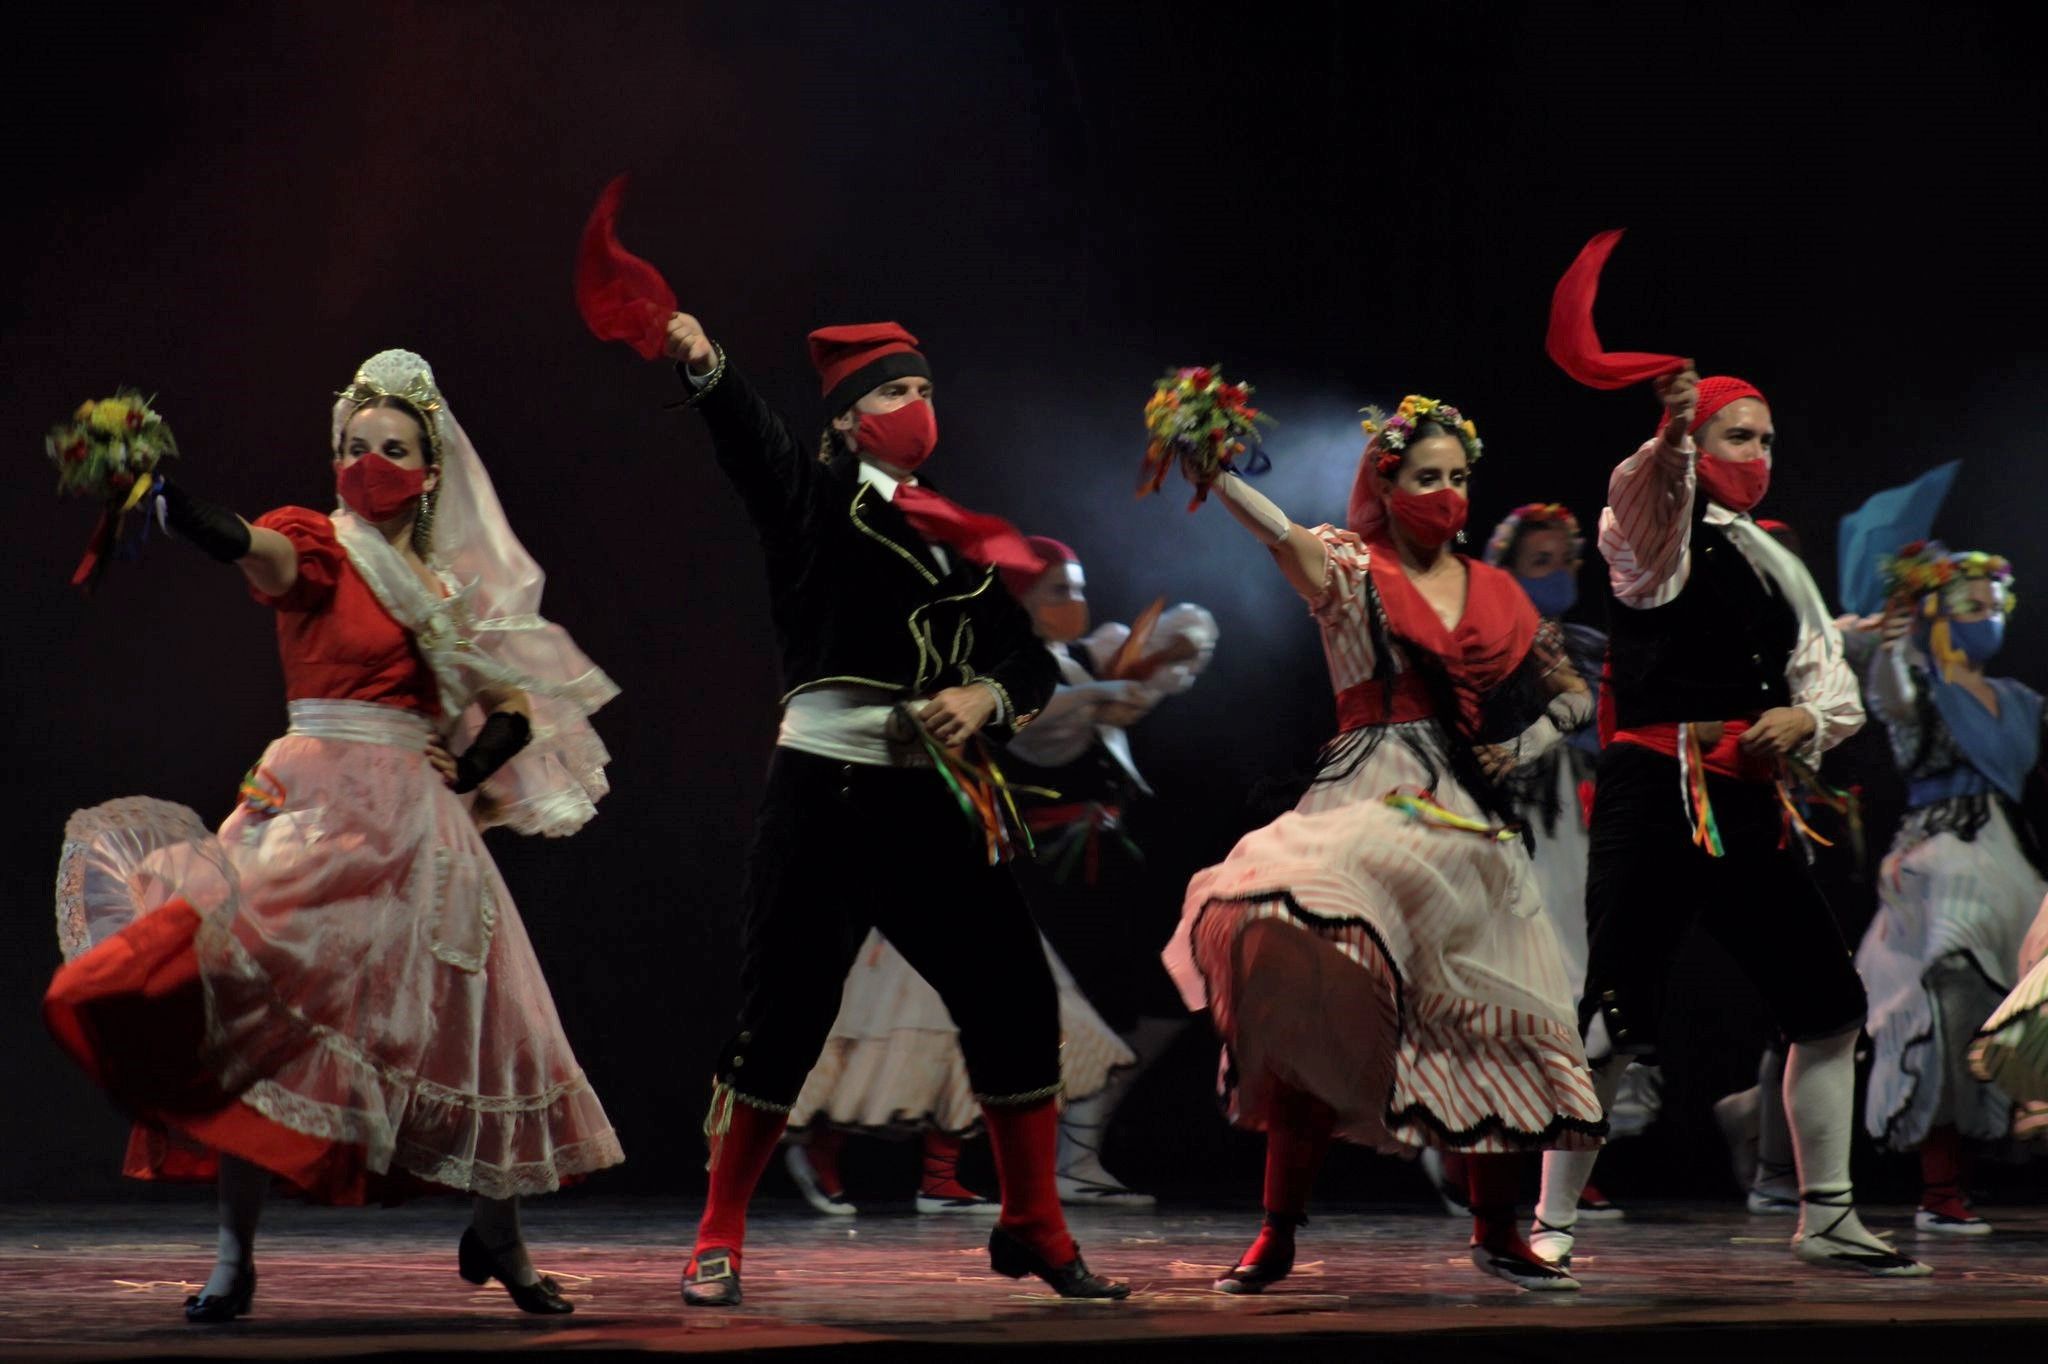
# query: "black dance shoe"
1256, 1275
713, 1278
1012, 1259
207, 1309
543, 1297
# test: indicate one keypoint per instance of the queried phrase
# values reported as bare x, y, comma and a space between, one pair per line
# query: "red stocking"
1298, 1128
738, 1156
1023, 1138
822, 1149
941, 1176
1941, 1173
1492, 1183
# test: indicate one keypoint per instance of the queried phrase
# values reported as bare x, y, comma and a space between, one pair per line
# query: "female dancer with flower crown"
1963, 878
1376, 960
337, 991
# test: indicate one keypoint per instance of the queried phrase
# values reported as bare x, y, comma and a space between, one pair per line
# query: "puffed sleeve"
320, 558
1346, 572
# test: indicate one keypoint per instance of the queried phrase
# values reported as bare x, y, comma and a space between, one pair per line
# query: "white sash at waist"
360, 722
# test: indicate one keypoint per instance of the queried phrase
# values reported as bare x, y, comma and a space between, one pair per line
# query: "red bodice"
336, 639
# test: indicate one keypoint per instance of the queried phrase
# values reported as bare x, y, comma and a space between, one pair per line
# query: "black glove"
218, 532
497, 743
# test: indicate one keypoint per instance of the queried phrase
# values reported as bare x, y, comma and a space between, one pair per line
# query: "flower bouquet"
1203, 422
109, 451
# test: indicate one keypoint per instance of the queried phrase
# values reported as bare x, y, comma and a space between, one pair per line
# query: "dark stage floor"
105, 1282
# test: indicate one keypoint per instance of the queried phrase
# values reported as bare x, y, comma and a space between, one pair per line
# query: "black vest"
1717, 651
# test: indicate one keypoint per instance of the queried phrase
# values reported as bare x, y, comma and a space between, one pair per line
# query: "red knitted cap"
1716, 391
1052, 551
852, 360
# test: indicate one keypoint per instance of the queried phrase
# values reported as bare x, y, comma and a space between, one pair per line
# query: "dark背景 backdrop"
1343, 202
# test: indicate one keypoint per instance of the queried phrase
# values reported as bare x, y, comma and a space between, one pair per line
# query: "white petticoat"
2011, 1049
1402, 974
1944, 906
893, 1060
367, 978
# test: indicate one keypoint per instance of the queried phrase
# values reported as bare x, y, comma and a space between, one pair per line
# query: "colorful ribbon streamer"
1418, 806
984, 794
1692, 786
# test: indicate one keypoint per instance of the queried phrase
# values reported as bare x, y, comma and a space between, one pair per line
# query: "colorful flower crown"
1553, 515
1927, 568
1390, 435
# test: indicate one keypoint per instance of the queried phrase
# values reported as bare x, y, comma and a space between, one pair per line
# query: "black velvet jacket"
855, 594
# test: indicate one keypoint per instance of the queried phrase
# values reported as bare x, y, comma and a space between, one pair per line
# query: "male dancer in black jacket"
885, 600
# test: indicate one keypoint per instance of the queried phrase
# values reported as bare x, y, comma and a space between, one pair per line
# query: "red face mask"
1737, 485
902, 439
1429, 519
378, 490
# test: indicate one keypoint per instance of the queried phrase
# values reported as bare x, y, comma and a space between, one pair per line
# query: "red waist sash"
1373, 702
1045, 818
1728, 758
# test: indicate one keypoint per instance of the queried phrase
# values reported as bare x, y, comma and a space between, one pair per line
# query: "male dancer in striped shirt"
1723, 666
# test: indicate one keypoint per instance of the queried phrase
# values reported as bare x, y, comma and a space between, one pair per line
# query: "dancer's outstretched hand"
1897, 621
686, 342
1680, 394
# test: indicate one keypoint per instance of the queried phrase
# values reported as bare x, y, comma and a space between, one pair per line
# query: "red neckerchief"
1486, 645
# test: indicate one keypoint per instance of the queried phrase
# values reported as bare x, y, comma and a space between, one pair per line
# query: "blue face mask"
1979, 640
1553, 594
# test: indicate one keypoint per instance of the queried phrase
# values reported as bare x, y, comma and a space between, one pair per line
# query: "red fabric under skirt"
132, 1013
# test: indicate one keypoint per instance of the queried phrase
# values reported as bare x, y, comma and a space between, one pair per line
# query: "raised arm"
1303, 559
1644, 529
1890, 684
268, 560
772, 473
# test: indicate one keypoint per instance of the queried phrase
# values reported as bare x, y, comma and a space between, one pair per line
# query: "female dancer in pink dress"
337, 991
1376, 960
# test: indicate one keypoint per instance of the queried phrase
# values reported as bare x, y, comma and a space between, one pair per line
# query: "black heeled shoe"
1013, 1259
475, 1263
1256, 1275
207, 1309
713, 1278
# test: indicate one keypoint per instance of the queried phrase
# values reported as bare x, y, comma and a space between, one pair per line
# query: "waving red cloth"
1487, 644
621, 297
1574, 344
986, 540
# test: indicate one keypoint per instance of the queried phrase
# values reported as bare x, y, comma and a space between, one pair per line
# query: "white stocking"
1565, 1173
1085, 1123
1820, 1098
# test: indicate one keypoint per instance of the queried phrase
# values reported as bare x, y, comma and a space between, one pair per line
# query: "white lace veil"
488, 634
